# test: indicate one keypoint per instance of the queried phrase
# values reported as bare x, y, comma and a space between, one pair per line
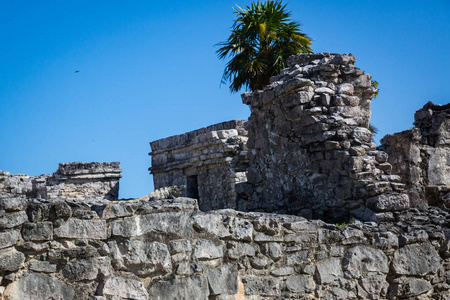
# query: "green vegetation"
343, 224
262, 37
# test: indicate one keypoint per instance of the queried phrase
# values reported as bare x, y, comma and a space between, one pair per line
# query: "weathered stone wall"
170, 250
421, 156
209, 161
73, 180
310, 149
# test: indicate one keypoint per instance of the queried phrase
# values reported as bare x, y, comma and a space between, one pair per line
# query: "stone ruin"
421, 156
310, 150
306, 152
209, 162
75, 180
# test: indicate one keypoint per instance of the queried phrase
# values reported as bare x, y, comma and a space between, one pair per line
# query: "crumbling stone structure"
74, 180
310, 149
209, 161
168, 249
421, 156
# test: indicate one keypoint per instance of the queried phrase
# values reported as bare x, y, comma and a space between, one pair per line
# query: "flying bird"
77, 71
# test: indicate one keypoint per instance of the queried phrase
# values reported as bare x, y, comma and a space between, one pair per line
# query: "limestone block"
82, 229
194, 287
282, 272
361, 260
180, 246
38, 286
141, 257
41, 231
416, 260
11, 220
206, 250
88, 269
300, 283
261, 286
9, 238
238, 250
223, 280
13, 203
388, 202
11, 259
125, 288
328, 270
411, 288
171, 222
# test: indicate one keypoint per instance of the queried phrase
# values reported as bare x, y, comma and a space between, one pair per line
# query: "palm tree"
262, 37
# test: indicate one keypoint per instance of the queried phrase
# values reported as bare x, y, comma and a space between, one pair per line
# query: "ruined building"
310, 151
77, 181
305, 151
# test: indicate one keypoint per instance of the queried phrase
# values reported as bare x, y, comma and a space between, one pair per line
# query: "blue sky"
148, 70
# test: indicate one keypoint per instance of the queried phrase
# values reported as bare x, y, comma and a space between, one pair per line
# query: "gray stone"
9, 238
223, 280
11, 259
261, 286
112, 211
11, 220
212, 223
40, 231
82, 229
125, 288
13, 203
328, 270
388, 202
272, 250
43, 266
335, 293
360, 260
38, 286
180, 246
89, 269
142, 258
375, 285
206, 250
411, 288
416, 260
171, 222
195, 287
282, 271
300, 283
238, 250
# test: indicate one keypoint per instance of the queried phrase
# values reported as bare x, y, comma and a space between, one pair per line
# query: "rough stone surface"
168, 249
420, 156
37, 286
210, 162
74, 180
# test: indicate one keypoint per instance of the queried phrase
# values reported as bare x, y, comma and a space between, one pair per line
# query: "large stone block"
11, 260
171, 222
361, 260
82, 229
38, 286
9, 238
142, 257
125, 288
195, 287
223, 280
416, 260
11, 220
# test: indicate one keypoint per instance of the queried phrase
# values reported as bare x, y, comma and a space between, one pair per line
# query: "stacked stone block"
168, 249
421, 156
310, 147
209, 162
74, 180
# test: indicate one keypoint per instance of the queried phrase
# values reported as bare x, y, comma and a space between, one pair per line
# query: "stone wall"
170, 250
310, 149
421, 156
209, 161
73, 180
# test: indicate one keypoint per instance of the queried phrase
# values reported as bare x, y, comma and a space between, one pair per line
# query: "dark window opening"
192, 187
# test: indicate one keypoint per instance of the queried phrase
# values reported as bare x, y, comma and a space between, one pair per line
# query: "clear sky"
148, 70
